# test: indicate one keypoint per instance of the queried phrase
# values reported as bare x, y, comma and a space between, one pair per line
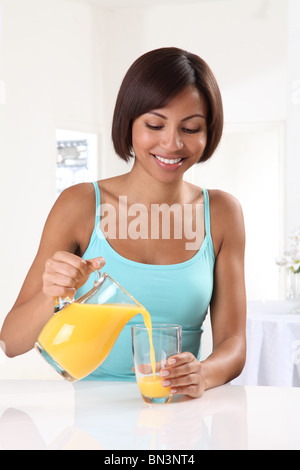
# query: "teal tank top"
176, 293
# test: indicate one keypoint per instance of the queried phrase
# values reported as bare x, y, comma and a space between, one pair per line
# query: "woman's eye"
191, 131
154, 128
184, 129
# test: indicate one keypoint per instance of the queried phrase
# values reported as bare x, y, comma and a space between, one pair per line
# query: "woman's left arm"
227, 309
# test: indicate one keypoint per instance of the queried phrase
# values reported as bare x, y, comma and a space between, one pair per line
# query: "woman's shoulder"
74, 204
72, 217
219, 200
227, 220
224, 202
76, 193
82, 196
79, 198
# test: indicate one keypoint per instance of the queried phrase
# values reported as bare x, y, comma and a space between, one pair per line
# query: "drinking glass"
166, 340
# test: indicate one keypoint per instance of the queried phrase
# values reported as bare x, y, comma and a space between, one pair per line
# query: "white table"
273, 345
112, 416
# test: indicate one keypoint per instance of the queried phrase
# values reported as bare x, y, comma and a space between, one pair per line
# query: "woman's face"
169, 140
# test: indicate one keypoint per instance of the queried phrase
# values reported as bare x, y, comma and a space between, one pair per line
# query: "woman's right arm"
57, 270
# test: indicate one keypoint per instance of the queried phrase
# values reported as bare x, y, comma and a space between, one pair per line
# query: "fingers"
64, 270
65, 273
95, 263
183, 375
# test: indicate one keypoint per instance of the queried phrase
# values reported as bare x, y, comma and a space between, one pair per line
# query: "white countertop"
112, 416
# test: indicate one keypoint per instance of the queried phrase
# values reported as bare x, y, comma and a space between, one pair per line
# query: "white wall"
293, 119
49, 69
52, 79
62, 62
246, 44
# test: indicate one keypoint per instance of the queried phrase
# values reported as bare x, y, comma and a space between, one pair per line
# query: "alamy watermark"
137, 221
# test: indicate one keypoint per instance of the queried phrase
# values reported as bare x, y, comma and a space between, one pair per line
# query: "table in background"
273, 345
112, 416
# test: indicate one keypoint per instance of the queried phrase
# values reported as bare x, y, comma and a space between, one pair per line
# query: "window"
76, 158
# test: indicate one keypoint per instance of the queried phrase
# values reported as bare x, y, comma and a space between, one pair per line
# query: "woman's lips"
169, 162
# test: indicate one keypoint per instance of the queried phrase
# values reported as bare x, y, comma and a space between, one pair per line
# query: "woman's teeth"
169, 161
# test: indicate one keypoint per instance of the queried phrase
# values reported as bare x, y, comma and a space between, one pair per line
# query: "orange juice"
150, 386
80, 336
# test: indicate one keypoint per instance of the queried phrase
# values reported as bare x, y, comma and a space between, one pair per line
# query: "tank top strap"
206, 211
207, 219
97, 230
98, 202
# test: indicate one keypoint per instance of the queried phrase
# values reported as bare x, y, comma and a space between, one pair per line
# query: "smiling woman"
170, 71
175, 137
168, 117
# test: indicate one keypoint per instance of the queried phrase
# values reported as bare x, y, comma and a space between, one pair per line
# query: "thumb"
95, 263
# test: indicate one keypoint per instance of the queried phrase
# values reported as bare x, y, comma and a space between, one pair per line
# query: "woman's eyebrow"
185, 119
192, 116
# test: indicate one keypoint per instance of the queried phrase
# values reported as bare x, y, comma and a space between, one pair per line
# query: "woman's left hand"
184, 375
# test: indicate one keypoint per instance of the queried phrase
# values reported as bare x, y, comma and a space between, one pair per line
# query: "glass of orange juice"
78, 338
165, 340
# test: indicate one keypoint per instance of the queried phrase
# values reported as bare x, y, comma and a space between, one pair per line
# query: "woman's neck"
147, 190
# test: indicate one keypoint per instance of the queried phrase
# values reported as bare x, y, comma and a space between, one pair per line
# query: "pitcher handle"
61, 302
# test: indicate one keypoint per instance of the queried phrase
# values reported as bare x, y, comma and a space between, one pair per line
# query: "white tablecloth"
273, 345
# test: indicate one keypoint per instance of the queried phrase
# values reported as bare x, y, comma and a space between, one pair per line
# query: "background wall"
61, 64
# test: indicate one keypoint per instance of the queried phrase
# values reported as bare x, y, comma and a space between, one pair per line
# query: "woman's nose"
171, 140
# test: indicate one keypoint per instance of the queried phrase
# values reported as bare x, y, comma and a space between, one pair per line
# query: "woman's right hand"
65, 272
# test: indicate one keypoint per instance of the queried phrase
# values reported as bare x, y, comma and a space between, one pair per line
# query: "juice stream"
150, 386
148, 325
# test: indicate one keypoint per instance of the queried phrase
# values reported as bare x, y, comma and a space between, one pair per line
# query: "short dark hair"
152, 81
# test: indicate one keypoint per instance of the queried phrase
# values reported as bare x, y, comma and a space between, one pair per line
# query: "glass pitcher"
79, 337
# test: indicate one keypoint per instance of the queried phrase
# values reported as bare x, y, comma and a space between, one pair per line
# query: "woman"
175, 247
